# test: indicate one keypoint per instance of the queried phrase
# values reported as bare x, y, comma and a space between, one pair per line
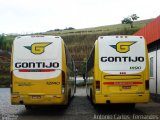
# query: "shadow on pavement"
45, 110
117, 109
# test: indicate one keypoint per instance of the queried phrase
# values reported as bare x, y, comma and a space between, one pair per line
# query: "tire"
129, 106
91, 96
132, 105
28, 107
69, 98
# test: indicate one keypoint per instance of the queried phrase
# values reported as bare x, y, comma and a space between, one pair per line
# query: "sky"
31, 16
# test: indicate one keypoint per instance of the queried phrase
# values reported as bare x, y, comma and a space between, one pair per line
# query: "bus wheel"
28, 107
91, 96
69, 97
132, 105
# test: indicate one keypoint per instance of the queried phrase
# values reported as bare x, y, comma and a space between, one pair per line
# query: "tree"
57, 29
69, 28
130, 20
1, 41
127, 21
8, 46
134, 17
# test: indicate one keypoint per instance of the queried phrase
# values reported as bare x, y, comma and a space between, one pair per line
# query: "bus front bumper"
122, 98
38, 100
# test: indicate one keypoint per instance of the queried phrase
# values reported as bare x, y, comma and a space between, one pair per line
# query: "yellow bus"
42, 71
117, 71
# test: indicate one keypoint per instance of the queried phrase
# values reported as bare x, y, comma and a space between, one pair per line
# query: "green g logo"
123, 47
38, 48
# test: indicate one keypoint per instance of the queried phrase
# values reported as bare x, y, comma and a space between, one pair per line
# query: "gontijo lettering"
122, 59
36, 65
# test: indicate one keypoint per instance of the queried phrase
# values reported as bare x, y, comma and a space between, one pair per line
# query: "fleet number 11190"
135, 68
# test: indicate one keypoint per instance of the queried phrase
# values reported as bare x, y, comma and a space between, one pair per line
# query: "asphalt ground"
80, 108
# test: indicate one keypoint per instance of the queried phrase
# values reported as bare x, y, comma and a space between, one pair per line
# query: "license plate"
126, 87
36, 97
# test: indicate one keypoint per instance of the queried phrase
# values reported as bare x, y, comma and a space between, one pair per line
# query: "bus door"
153, 73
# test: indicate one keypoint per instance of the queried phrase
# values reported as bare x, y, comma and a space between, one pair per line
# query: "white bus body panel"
52, 53
136, 49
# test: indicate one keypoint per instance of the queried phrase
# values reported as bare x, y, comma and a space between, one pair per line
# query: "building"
151, 32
